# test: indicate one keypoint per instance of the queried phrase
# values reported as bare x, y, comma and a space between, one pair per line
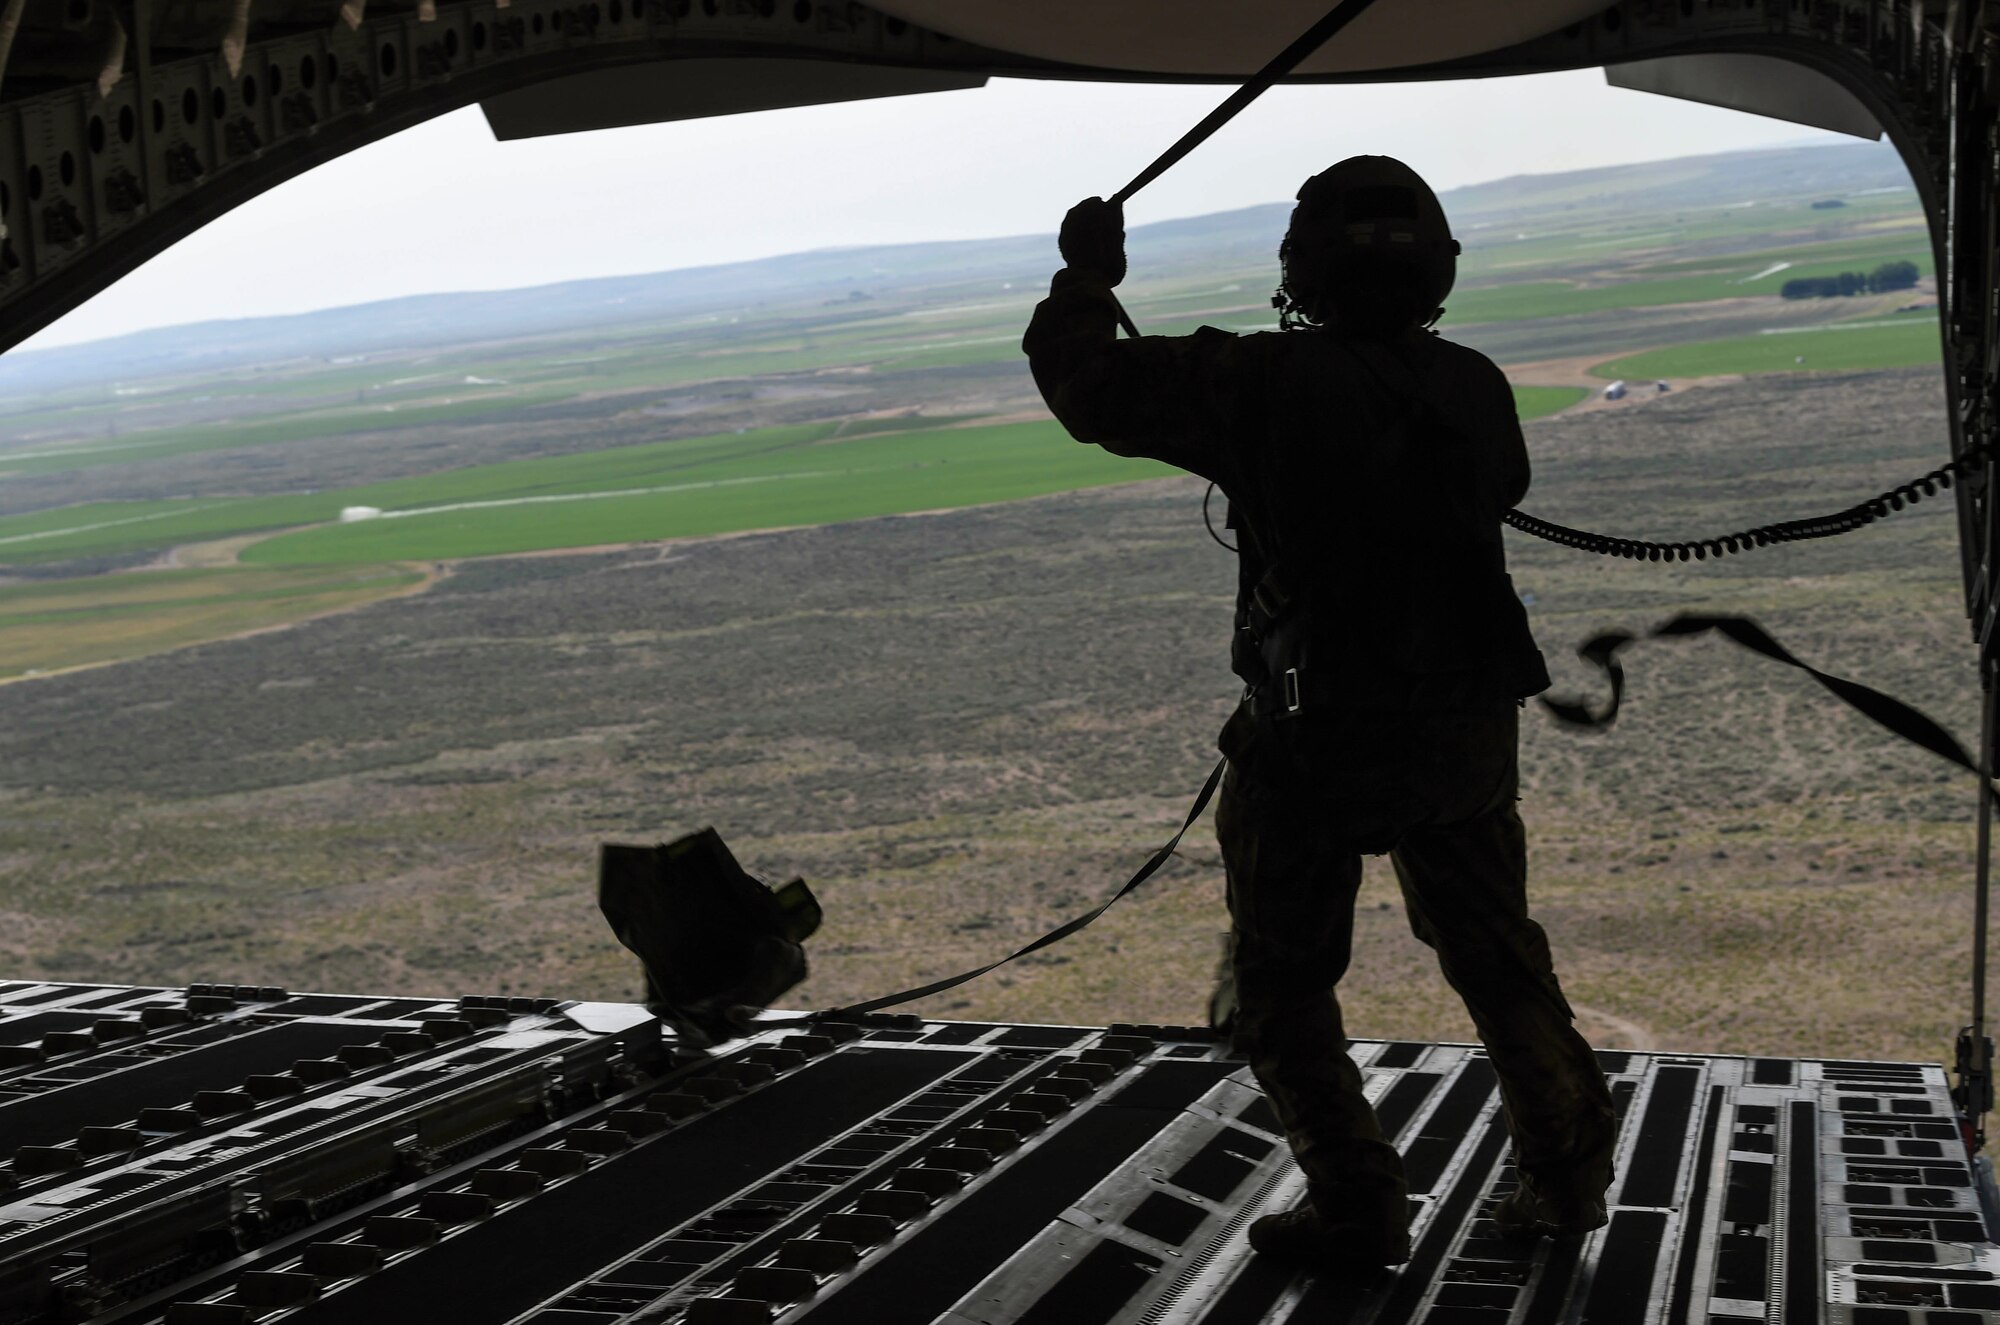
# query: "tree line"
1888, 276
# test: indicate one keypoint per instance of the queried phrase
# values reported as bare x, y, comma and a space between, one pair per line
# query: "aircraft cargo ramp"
235, 1154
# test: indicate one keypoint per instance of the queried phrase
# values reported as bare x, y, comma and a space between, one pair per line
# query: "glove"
1093, 239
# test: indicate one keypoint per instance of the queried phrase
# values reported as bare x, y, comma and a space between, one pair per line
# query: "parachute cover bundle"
718, 944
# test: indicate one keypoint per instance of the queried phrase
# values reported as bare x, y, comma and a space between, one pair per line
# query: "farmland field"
167, 442
244, 739
768, 478
1536, 402
1838, 347
771, 486
52, 626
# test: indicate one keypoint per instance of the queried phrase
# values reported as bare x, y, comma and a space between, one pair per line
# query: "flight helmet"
1369, 250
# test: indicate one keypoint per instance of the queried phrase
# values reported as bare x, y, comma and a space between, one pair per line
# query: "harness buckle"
1293, 700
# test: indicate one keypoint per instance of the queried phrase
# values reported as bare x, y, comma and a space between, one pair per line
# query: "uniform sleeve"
1480, 402
1513, 471
1174, 398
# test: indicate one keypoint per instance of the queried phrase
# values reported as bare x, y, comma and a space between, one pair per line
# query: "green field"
1859, 253
49, 627
1681, 282
109, 528
116, 528
1863, 230
1538, 299
332, 425
1534, 402
759, 487
768, 478
1837, 347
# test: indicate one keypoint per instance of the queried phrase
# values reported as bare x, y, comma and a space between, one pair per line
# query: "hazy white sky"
445, 207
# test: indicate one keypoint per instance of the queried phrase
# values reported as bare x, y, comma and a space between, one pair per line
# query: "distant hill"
1690, 181
428, 319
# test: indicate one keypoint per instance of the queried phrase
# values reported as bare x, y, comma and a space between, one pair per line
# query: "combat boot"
1363, 1234
1539, 1208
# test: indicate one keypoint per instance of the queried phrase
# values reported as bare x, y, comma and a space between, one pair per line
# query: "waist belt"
1294, 691
1297, 691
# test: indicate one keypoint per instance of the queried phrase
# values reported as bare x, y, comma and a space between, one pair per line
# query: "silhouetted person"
1367, 464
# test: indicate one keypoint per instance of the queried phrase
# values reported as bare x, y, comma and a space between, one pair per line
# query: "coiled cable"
1785, 531
1701, 549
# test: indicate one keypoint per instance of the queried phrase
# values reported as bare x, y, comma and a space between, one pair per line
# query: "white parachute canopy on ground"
349, 514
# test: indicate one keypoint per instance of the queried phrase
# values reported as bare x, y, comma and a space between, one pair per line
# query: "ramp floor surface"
531, 1162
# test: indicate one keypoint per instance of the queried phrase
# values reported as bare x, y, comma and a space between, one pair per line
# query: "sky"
444, 207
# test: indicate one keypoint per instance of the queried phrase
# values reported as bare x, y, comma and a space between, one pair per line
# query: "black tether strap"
1283, 63
1900, 718
1260, 82
1056, 935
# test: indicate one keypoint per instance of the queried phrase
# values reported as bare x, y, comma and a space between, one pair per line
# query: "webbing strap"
1899, 718
1283, 63
1056, 935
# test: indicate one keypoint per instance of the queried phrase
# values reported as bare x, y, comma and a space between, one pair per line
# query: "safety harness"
1274, 618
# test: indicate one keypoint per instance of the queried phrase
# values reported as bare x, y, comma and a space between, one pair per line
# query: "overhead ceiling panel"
694, 89
1756, 84
1234, 38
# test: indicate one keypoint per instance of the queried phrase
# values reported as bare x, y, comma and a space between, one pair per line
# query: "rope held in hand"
1281, 64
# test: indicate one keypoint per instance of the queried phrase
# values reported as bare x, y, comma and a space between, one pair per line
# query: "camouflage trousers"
1293, 877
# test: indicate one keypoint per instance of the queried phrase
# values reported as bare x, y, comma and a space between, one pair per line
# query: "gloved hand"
1093, 238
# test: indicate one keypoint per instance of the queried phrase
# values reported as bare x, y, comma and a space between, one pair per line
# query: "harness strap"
1269, 601
1280, 685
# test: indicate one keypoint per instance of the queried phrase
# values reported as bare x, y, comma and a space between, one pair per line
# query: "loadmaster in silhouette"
1385, 653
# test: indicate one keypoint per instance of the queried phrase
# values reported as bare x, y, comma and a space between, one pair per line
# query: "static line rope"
1260, 82
1209, 524
1281, 64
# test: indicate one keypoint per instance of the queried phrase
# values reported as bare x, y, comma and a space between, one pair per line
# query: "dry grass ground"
962, 728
